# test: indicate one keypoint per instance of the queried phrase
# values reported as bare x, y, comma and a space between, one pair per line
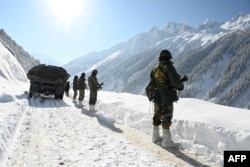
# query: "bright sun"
66, 10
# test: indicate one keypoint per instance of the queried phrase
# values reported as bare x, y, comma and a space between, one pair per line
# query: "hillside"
125, 67
219, 72
11, 70
25, 59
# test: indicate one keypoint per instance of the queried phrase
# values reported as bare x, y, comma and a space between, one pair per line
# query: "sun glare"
66, 10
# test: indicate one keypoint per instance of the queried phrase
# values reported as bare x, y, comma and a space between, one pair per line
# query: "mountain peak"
208, 24
154, 29
175, 28
241, 21
241, 15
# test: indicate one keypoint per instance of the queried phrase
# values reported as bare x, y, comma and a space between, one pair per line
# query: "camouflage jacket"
93, 83
81, 85
167, 80
75, 85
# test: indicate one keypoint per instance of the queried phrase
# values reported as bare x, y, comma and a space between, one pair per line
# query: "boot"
92, 108
156, 134
167, 140
74, 100
80, 104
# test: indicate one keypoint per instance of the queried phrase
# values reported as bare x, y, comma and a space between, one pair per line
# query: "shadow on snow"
102, 120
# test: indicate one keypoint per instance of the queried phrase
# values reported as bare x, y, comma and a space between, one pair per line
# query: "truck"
47, 80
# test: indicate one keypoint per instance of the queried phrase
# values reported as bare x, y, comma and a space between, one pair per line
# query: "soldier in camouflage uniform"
75, 89
66, 89
167, 82
94, 86
81, 85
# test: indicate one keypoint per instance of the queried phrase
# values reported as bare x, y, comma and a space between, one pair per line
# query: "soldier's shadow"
184, 156
102, 120
86, 112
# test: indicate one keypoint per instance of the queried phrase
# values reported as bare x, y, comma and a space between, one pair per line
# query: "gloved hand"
185, 78
100, 85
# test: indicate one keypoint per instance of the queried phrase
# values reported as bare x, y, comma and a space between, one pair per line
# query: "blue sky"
100, 24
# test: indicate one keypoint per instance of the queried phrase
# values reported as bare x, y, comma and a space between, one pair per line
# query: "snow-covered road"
56, 133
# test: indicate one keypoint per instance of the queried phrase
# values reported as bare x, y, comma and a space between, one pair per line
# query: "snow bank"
203, 128
11, 113
12, 104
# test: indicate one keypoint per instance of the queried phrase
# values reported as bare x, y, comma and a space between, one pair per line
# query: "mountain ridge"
128, 71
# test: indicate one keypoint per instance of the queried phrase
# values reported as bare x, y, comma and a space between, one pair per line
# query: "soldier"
75, 88
167, 82
94, 86
81, 85
66, 89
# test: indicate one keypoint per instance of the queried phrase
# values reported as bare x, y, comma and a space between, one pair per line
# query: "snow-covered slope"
26, 61
13, 83
11, 70
241, 21
126, 66
219, 72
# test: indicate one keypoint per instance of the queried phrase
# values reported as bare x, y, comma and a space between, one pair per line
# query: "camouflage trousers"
163, 116
75, 94
93, 97
81, 95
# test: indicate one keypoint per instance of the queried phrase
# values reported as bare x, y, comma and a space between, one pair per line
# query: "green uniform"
75, 87
94, 86
167, 82
81, 85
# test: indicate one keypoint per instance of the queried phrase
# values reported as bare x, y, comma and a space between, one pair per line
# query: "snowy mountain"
47, 132
125, 67
21, 55
241, 21
220, 71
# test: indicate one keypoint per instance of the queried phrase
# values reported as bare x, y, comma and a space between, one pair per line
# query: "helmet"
94, 72
165, 55
83, 74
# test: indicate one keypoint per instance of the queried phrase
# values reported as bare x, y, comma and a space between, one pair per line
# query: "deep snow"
46, 132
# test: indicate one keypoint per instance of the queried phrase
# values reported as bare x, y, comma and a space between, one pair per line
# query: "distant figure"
66, 90
167, 81
94, 86
75, 89
81, 85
